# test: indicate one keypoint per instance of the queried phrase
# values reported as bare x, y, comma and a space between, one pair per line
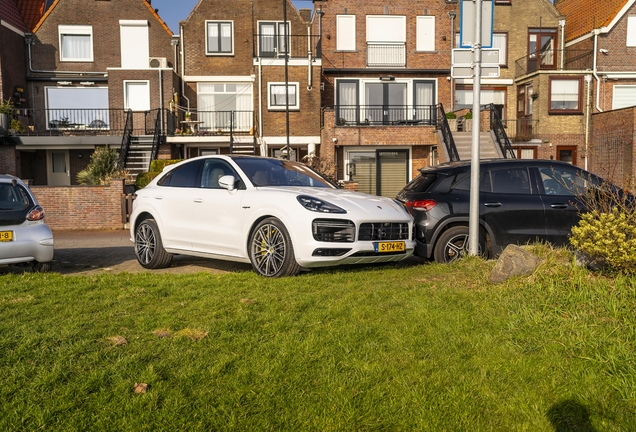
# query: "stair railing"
125, 140
496, 125
157, 137
447, 136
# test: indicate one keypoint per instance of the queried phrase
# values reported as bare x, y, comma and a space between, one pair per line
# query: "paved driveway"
95, 252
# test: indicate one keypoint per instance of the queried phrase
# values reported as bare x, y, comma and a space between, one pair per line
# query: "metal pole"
286, 53
473, 218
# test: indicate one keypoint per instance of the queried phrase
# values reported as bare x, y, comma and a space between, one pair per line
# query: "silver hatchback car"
24, 237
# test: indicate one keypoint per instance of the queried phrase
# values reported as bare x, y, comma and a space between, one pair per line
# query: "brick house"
607, 32
88, 63
234, 72
386, 69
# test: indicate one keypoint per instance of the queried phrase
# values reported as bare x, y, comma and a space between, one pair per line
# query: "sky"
173, 11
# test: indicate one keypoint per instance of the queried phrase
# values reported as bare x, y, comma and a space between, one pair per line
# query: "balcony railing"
69, 121
520, 129
392, 115
211, 122
385, 54
266, 45
547, 60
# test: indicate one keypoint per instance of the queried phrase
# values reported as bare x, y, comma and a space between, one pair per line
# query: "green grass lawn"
428, 347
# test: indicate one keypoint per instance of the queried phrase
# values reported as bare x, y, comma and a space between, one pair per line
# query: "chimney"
305, 14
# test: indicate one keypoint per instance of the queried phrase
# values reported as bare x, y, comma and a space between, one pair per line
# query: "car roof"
8, 178
491, 163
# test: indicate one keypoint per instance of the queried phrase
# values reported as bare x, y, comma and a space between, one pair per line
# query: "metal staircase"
243, 144
139, 154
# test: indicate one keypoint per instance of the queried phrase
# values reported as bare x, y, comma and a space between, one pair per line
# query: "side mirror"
227, 182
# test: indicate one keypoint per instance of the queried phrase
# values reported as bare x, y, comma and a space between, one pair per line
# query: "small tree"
101, 168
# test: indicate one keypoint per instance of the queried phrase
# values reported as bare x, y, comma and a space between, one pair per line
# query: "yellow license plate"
390, 247
6, 236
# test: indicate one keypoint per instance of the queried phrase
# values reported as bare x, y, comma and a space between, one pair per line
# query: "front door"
58, 168
380, 172
567, 154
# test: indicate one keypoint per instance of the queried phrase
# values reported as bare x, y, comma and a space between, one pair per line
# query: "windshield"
278, 172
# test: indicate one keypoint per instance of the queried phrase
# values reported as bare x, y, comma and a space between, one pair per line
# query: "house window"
624, 96
271, 41
137, 95
219, 38
225, 106
541, 49
345, 32
278, 97
77, 107
386, 41
565, 95
631, 31
500, 41
347, 101
76, 43
425, 33
134, 44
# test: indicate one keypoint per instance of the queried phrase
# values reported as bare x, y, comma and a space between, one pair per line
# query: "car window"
566, 181
186, 175
278, 172
213, 170
463, 182
13, 198
510, 181
421, 183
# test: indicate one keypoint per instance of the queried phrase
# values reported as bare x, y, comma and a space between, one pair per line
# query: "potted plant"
6, 111
15, 127
451, 118
468, 121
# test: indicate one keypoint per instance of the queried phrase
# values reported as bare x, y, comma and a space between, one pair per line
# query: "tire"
453, 245
149, 247
271, 250
42, 267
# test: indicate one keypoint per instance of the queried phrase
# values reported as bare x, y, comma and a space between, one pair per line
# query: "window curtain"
347, 101
565, 94
226, 37
268, 38
76, 46
499, 40
424, 99
282, 46
213, 37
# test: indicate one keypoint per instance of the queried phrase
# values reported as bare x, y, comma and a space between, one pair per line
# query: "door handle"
492, 204
559, 206
198, 200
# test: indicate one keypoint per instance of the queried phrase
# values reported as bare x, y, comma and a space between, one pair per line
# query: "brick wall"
82, 207
12, 65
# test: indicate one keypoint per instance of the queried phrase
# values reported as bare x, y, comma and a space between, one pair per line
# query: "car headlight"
318, 205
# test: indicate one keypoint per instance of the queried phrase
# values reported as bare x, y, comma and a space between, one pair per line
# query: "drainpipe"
260, 106
452, 15
588, 81
562, 25
598, 81
28, 39
183, 68
161, 97
309, 82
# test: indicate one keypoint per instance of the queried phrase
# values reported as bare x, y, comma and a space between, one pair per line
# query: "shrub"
606, 233
451, 115
158, 165
144, 178
101, 168
468, 115
6, 107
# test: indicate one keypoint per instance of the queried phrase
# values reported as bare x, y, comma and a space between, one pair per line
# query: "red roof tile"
583, 16
32, 11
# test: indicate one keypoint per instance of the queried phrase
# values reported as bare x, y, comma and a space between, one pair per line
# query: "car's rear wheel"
149, 247
453, 245
271, 250
42, 267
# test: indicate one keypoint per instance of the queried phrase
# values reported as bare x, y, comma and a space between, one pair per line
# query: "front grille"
330, 252
383, 231
333, 230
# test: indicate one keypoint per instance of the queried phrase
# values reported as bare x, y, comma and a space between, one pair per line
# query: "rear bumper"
30, 243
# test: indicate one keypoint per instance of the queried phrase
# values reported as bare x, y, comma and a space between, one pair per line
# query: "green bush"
158, 165
101, 168
608, 237
468, 115
144, 178
451, 115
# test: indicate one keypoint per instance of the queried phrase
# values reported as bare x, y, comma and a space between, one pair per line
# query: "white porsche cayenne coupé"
278, 215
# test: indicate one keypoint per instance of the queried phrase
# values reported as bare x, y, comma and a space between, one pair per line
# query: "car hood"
348, 200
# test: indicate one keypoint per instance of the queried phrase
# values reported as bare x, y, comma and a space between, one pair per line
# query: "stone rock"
513, 261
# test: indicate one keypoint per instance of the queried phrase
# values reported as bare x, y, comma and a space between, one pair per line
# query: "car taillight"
424, 205
36, 214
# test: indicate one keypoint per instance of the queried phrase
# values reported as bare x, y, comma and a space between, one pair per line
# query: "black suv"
520, 201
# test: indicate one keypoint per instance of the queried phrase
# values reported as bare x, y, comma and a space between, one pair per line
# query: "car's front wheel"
149, 247
271, 250
453, 244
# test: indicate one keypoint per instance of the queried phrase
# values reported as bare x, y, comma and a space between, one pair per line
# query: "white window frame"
631, 31
615, 104
126, 102
207, 47
81, 30
425, 33
345, 32
272, 107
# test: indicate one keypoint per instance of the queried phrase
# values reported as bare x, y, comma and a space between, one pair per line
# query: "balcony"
520, 129
211, 123
391, 115
384, 54
549, 60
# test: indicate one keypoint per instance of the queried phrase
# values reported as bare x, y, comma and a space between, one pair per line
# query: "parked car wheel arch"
484, 231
